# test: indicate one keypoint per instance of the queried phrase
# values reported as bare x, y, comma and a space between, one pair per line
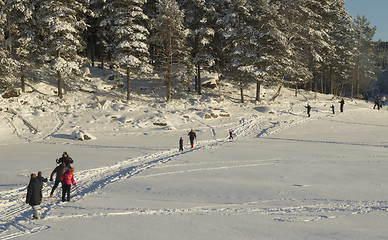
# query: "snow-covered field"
283, 176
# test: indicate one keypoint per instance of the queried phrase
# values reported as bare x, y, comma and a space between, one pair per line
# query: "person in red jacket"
67, 179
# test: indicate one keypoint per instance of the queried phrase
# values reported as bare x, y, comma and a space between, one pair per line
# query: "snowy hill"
283, 176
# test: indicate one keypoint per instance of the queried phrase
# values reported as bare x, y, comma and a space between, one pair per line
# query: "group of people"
342, 103
64, 174
192, 136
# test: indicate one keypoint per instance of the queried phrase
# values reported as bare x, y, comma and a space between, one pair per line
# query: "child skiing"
230, 134
181, 144
332, 108
67, 179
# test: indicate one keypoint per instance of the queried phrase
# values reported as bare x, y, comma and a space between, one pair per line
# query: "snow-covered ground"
283, 176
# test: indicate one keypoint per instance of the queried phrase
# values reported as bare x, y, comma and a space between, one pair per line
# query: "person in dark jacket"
66, 159
308, 109
342, 102
41, 179
34, 195
192, 136
181, 144
59, 171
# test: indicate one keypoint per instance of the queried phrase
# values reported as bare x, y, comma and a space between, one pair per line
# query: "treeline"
310, 44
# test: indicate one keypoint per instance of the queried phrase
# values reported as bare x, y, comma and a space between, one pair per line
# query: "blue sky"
376, 11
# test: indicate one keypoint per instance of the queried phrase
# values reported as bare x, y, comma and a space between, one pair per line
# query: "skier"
181, 144
342, 102
34, 195
66, 159
59, 171
383, 99
332, 108
308, 110
230, 134
192, 136
67, 179
377, 102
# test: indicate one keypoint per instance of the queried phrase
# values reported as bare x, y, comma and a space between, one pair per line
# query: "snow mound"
82, 136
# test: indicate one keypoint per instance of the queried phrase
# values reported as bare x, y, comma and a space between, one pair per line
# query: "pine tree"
21, 37
62, 27
240, 50
170, 40
364, 58
197, 20
339, 61
130, 38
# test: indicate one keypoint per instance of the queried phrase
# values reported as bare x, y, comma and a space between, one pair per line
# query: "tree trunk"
258, 85
59, 79
296, 89
23, 79
128, 84
199, 79
277, 93
241, 93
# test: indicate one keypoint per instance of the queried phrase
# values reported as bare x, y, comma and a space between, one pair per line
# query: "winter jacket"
41, 180
68, 178
34, 193
192, 135
59, 171
66, 160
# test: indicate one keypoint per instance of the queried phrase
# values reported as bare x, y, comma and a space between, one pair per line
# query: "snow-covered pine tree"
170, 40
339, 62
62, 25
197, 20
130, 38
364, 57
21, 37
296, 62
268, 40
8, 66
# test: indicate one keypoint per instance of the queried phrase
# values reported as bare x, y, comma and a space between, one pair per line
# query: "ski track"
14, 220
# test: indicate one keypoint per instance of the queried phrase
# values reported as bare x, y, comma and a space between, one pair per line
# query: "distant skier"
230, 134
192, 136
332, 108
66, 159
59, 171
377, 102
342, 102
308, 109
67, 179
34, 195
181, 144
383, 99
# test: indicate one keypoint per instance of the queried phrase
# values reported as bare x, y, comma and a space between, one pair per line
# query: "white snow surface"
283, 176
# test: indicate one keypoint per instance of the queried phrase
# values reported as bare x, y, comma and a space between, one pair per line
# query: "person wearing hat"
58, 171
66, 159
34, 195
192, 136
67, 179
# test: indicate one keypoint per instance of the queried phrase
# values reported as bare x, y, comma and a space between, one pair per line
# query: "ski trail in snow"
306, 210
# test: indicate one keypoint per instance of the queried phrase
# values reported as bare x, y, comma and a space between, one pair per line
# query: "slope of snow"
283, 176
